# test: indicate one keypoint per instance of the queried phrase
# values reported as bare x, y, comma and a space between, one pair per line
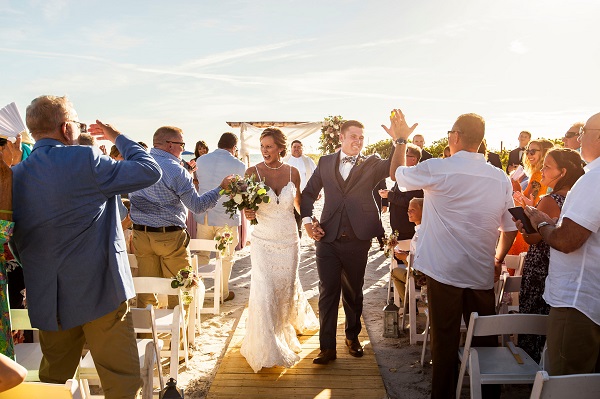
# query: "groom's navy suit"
350, 220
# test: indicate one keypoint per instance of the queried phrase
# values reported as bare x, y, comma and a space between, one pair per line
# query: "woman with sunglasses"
561, 169
533, 159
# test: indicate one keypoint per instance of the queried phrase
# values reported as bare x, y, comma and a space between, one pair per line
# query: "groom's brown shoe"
325, 356
354, 347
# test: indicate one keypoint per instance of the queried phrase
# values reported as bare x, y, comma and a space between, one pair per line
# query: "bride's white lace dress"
277, 309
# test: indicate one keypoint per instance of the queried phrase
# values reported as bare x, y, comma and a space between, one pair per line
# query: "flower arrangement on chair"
389, 244
244, 193
223, 240
330, 134
185, 280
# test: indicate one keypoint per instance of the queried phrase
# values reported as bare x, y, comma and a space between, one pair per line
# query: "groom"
349, 221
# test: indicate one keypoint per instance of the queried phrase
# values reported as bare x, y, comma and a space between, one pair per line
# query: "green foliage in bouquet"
245, 193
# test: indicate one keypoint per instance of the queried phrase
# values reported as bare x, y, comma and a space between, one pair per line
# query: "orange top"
535, 188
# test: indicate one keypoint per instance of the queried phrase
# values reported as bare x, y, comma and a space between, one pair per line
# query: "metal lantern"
171, 391
390, 320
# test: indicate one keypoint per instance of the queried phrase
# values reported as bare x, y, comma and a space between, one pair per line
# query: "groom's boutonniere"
360, 159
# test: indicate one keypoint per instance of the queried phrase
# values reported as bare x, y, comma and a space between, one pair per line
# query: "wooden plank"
345, 377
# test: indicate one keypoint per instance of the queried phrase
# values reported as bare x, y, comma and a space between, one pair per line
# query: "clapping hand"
521, 200
398, 127
383, 193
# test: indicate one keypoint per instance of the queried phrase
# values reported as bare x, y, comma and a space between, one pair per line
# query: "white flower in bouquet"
238, 198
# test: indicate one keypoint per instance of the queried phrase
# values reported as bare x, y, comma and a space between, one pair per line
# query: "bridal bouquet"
389, 244
245, 193
185, 280
224, 240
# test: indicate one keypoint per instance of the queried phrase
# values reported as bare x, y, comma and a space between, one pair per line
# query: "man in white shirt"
466, 203
213, 167
574, 272
306, 166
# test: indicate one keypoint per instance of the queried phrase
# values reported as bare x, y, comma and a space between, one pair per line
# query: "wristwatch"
542, 224
400, 141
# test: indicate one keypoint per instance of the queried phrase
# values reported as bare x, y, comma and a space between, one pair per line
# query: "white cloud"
517, 46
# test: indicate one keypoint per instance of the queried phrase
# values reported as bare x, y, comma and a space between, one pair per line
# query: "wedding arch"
250, 133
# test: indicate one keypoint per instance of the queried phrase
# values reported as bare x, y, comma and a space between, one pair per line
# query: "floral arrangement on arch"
244, 193
330, 134
224, 240
185, 280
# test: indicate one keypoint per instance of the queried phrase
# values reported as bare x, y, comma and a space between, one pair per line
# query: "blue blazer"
69, 237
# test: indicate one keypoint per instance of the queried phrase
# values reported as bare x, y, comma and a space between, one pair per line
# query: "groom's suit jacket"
353, 196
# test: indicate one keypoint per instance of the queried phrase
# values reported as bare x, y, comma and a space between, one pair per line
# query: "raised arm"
398, 131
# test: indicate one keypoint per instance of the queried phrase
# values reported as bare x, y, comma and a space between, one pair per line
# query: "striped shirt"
164, 203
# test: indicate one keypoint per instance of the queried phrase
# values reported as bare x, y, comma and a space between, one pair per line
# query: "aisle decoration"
245, 193
389, 244
185, 280
223, 240
330, 134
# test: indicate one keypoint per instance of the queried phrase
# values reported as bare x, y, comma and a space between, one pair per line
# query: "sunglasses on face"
532, 151
570, 135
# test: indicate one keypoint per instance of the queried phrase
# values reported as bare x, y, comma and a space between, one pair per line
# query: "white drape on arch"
250, 135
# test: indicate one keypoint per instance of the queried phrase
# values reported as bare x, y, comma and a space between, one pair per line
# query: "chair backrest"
154, 285
133, 263
508, 283
19, 319
144, 320
581, 386
202, 244
29, 390
512, 261
507, 324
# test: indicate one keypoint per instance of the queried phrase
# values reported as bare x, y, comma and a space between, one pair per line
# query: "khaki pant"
573, 343
111, 340
210, 232
160, 255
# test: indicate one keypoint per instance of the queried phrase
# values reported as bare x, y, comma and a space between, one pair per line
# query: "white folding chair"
28, 355
144, 320
410, 296
515, 262
30, 390
499, 365
133, 265
508, 284
580, 386
171, 321
211, 271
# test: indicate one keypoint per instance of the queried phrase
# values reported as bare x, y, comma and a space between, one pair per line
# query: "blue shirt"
212, 169
69, 237
164, 203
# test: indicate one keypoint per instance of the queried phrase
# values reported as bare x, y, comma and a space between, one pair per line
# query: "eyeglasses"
532, 151
583, 130
570, 135
453, 131
409, 155
82, 126
177, 142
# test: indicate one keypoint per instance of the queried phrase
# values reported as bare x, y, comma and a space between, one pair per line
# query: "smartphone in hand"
519, 214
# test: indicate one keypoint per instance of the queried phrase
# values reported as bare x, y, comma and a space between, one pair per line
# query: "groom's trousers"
341, 265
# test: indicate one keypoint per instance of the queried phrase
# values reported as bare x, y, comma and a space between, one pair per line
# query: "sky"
138, 65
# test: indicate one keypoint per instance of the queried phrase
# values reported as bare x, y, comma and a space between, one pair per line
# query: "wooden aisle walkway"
346, 377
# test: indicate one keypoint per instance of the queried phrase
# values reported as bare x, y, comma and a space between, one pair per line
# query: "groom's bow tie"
352, 159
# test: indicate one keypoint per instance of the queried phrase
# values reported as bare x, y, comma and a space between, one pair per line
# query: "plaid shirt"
164, 203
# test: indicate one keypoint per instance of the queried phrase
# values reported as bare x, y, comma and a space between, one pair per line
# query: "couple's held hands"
399, 129
103, 131
314, 230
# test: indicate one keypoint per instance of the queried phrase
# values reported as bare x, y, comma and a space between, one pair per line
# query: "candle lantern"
171, 391
390, 320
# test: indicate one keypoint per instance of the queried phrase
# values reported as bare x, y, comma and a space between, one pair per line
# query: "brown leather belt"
149, 229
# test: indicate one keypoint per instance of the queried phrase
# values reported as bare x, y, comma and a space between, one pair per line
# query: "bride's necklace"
268, 167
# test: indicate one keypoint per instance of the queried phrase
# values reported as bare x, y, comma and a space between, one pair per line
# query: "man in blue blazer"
70, 243
349, 221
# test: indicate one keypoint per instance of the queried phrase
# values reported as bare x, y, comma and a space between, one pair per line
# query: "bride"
277, 309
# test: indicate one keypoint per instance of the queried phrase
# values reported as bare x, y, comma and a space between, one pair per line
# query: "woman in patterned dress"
561, 169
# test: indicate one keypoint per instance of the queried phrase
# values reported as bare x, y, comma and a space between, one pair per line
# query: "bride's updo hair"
278, 137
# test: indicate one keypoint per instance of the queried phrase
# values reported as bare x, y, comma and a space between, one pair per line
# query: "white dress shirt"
345, 167
465, 204
573, 279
